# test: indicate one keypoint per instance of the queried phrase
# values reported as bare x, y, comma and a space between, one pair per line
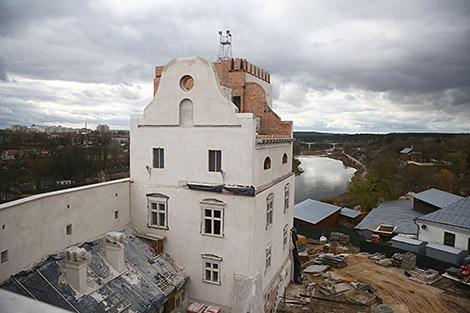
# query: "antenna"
225, 45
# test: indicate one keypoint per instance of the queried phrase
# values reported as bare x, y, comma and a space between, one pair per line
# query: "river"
322, 178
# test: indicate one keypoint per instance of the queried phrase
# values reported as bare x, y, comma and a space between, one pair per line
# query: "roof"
444, 248
313, 211
456, 216
410, 241
395, 213
406, 150
349, 213
143, 287
437, 198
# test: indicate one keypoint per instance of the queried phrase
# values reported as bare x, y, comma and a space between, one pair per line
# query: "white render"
435, 233
216, 126
36, 226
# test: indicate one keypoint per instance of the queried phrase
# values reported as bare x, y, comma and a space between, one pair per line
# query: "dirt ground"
394, 288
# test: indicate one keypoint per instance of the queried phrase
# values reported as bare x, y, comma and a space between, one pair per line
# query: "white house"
210, 177
215, 178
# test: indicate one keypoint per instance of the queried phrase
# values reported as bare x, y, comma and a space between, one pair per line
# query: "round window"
186, 83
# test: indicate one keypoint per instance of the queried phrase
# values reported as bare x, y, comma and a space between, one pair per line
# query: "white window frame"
159, 202
269, 254
211, 264
269, 210
286, 197
285, 236
213, 206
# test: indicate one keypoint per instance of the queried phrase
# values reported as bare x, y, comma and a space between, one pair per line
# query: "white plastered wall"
35, 227
434, 233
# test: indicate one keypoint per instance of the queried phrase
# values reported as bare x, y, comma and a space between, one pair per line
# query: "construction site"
337, 277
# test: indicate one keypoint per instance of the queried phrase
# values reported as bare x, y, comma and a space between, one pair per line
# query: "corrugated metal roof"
444, 248
406, 150
395, 213
349, 213
313, 211
410, 241
456, 215
437, 197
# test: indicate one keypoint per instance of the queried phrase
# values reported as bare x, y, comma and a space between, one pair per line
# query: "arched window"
284, 158
267, 163
186, 112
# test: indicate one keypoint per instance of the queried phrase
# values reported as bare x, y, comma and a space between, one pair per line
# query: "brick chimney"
114, 250
76, 260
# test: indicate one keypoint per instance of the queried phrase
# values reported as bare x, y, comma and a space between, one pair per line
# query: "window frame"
212, 260
267, 163
158, 161
285, 236
269, 210
286, 197
216, 157
213, 206
158, 201
449, 239
268, 259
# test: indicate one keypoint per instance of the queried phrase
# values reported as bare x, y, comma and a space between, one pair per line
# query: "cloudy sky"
336, 66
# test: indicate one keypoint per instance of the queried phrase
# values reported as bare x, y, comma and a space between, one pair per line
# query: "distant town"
39, 158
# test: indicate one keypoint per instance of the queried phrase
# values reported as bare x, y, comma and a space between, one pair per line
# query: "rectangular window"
212, 219
286, 197
158, 212
268, 257
215, 160
5, 256
68, 229
158, 158
211, 270
449, 239
269, 211
285, 236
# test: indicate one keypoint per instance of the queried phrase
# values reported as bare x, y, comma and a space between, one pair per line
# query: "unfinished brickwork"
251, 95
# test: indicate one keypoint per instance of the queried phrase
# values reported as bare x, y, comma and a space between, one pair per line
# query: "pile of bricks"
408, 261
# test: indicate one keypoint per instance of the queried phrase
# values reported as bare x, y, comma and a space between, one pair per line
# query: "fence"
317, 232
422, 260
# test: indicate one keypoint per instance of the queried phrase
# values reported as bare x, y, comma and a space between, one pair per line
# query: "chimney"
114, 250
76, 260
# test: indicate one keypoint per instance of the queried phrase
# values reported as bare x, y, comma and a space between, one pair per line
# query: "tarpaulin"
217, 188
297, 275
247, 294
250, 191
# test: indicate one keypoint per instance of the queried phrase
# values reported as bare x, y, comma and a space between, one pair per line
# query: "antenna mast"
225, 45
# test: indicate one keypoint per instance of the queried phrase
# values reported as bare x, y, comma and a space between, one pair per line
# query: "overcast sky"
336, 66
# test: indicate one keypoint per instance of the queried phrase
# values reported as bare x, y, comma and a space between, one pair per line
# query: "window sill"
158, 227
269, 226
211, 235
212, 282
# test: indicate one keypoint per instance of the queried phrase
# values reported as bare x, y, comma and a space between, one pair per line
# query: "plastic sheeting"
297, 275
245, 191
242, 191
247, 294
206, 187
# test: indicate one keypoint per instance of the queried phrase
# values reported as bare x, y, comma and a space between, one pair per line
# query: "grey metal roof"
395, 213
143, 287
406, 150
410, 241
437, 198
456, 216
313, 211
444, 248
349, 213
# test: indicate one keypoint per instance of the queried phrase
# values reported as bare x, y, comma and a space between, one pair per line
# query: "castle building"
211, 184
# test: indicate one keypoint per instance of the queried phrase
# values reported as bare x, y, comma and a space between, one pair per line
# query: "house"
397, 214
449, 226
432, 200
210, 177
313, 213
409, 154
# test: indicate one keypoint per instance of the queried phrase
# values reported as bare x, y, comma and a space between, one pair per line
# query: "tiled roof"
142, 287
437, 198
349, 213
313, 211
456, 215
395, 213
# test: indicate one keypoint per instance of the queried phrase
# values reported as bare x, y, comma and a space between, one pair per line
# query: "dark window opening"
237, 101
158, 158
284, 158
449, 239
4, 256
215, 161
116, 215
68, 229
267, 163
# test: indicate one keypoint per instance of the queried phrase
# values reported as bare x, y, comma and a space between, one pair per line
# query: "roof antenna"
225, 45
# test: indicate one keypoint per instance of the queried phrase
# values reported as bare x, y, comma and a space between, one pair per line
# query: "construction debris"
377, 256
408, 261
337, 261
315, 269
339, 237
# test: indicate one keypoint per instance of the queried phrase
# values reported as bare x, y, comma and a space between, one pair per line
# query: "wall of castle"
37, 226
